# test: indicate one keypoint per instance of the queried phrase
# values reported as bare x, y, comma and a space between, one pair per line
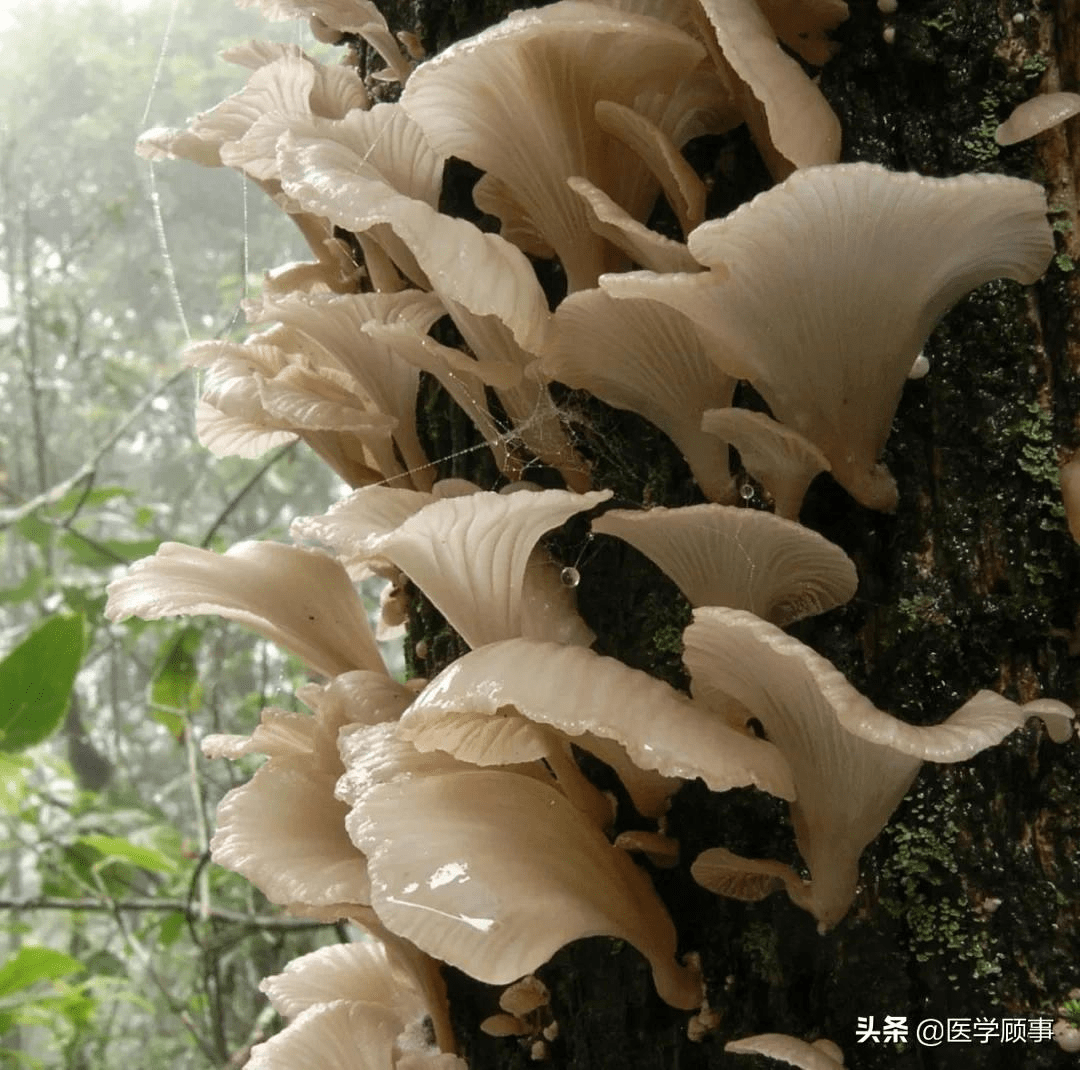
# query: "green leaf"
35, 530
170, 929
24, 591
97, 496
12, 782
32, 964
105, 553
145, 515
173, 723
176, 676
36, 679
118, 849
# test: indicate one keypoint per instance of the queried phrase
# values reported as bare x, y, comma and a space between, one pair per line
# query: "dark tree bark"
968, 902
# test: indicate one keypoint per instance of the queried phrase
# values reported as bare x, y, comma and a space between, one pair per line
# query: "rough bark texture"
971, 584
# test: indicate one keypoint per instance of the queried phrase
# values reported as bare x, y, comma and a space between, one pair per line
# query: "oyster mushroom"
888, 255
721, 555
300, 599
1036, 115
852, 763
496, 890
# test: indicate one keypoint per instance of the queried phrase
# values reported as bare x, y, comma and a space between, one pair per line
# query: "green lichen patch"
922, 887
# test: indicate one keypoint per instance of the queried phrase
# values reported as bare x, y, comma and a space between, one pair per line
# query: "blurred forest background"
120, 945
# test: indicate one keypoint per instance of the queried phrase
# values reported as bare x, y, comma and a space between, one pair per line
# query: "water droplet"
570, 576
746, 491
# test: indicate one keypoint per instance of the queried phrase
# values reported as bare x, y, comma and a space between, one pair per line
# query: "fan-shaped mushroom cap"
646, 357
517, 101
255, 54
471, 557
496, 890
244, 128
643, 246
1036, 115
343, 1035
779, 458
364, 971
722, 555
497, 304
467, 710
889, 253
385, 143
361, 697
683, 188
255, 395
851, 762
790, 1050
354, 526
284, 830
329, 329
784, 108
300, 599
360, 17
379, 968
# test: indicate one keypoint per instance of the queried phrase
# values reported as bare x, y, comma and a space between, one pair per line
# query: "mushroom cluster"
450, 819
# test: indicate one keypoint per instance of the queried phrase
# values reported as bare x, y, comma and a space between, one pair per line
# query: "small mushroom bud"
1067, 1035
525, 996
504, 1025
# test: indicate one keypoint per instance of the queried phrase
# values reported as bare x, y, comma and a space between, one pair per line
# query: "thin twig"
239, 496
139, 905
89, 468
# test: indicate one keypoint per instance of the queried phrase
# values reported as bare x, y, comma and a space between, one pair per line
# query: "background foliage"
119, 944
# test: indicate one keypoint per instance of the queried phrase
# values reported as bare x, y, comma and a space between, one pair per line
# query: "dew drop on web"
570, 577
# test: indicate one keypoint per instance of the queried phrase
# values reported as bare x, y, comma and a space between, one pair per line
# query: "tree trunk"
968, 906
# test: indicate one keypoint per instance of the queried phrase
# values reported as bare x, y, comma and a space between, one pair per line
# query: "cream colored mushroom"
376, 969
784, 109
818, 1055
283, 829
1036, 115
360, 17
517, 101
721, 555
852, 763
329, 329
497, 304
830, 359
1069, 474
300, 599
496, 890
779, 458
480, 707
646, 357
473, 557
256, 396
683, 188
644, 247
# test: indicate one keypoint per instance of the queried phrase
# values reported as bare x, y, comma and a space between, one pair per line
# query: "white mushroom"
301, 599
517, 101
779, 458
1036, 115
831, 358
646, 357
496, 890
852, 763
473, 557
721, 555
